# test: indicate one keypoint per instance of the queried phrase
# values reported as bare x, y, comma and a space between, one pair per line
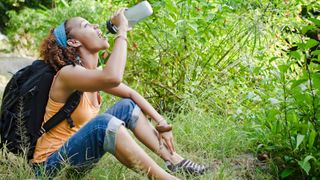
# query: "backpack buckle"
42, 130
70, 121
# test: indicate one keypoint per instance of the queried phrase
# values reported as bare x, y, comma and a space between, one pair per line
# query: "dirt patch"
3, 82
244, 166
10, 63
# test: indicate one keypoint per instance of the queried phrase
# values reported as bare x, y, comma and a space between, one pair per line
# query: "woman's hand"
167, 137
119, 20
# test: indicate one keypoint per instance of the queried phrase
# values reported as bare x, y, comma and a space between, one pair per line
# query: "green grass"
200, 136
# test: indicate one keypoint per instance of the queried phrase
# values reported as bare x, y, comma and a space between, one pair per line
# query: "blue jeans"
94, 139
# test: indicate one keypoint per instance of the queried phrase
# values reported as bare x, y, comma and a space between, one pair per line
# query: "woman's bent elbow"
113, 82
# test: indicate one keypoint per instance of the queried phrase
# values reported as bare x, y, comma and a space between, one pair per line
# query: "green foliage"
252, 66
288, 121
187, 50
16, 5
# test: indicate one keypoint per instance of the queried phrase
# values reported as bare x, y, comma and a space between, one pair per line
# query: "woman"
72, 50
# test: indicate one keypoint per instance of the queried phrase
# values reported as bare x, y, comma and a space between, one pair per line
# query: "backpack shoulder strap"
63, 113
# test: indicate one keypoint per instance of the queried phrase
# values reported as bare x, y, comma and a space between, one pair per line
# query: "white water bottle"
133, 15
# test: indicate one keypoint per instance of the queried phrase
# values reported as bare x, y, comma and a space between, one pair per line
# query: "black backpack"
23, 108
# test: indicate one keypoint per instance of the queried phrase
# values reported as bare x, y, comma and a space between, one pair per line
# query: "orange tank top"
51, 141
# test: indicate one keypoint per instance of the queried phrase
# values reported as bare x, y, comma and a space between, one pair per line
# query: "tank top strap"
53, 81
55, 77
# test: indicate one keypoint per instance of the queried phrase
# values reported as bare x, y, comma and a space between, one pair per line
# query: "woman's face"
89, 35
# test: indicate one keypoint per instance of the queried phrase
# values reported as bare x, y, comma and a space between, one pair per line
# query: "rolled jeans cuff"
109, 143
134, 117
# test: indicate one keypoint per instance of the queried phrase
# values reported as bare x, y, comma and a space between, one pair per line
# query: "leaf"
301, 45
300, 138
171, 6
62, 3
315, 21
65, 3
287, 172
316, 52
311, 43
307, 159
311, 139
273, 59
170, 22
283, 68
295, 55
305, 165
193, 26
305, 29
296, 83
316, 80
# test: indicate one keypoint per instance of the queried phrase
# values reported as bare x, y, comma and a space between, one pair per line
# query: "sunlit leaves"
299, 140
310, 44
315, 21
311, 139
295, 54
305, 164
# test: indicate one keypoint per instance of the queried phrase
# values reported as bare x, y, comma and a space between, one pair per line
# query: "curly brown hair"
56, 55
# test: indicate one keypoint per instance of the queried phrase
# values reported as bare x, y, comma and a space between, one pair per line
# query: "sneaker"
187, 166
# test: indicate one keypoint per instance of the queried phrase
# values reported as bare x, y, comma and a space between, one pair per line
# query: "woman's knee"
101, 120
127, 111
127, 103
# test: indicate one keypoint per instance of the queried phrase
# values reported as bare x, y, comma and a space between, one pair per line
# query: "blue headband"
60, 35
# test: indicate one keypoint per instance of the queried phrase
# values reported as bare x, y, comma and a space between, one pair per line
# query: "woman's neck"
89, 60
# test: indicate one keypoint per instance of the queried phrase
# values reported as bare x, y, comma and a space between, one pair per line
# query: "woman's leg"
127, 111
133, 156
147, 134
105, 133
